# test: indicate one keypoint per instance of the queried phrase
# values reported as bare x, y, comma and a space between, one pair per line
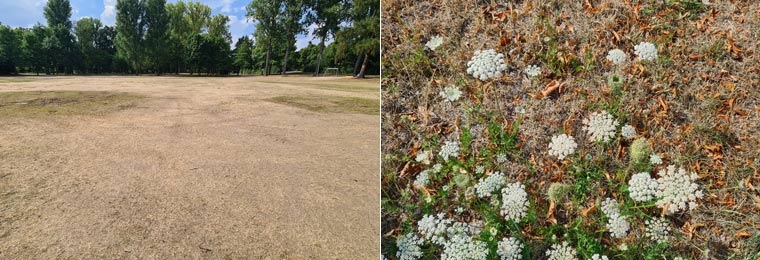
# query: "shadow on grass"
37, 104
331, 104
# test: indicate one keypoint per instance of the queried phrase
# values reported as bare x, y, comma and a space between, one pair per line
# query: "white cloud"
224, 5
239, 27
108, 16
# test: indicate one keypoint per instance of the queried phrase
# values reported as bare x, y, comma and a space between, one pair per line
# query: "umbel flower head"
655, 159
449, 149
463, 247
489, 184
514, 201
450, 93
617, 56
628, 131
562, 145
642, 187
646, 51
510, 249
677, 190
434, 42
422, 157
532, 71
561, 252
599, 257
422, 179
486, 65
657, 230
617, 224
408, 247
601, 126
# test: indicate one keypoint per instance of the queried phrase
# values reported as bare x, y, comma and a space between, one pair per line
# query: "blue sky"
26, 13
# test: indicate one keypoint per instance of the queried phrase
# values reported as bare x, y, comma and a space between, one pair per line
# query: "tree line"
152, 36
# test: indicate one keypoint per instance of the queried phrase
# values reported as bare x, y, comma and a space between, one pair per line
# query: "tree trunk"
357, 64
319, 55
364, 66
269, 51
285, 60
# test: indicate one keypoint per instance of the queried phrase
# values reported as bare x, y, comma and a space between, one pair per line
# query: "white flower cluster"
434, 42
617, 224
677, 190
409, 247
658, 230
562, 146
489, 184
616, 56
449, 149
501, 158
486, 65
533, 70
641, 187
628, 131
422, 157
462, 247
601, 126
646, 51
655, 159
434, 227
423, 179
437, 228
599, 257
510, 249
480, 169
450, 93
561, 252
514, 201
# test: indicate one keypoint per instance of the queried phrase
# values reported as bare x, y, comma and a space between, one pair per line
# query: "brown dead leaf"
549, 89
550, 212
589, 210
696, 57
743, 234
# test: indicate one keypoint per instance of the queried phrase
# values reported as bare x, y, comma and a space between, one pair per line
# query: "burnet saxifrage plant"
677, 190
510, 248
646, 51
514, 205
561, 252
617, 224
489, 184
562, 145
486, 65
600, 126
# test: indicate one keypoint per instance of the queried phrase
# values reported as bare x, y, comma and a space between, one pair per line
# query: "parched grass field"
188, 168
448, 158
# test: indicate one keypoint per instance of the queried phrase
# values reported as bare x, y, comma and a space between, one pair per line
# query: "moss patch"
35, 104
331, 104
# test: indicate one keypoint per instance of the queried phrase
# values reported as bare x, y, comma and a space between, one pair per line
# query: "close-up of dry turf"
696, 106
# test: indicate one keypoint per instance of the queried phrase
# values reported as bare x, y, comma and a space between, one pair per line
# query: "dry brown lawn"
188, 168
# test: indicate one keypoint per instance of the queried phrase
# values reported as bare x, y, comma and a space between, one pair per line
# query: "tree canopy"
153, 36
